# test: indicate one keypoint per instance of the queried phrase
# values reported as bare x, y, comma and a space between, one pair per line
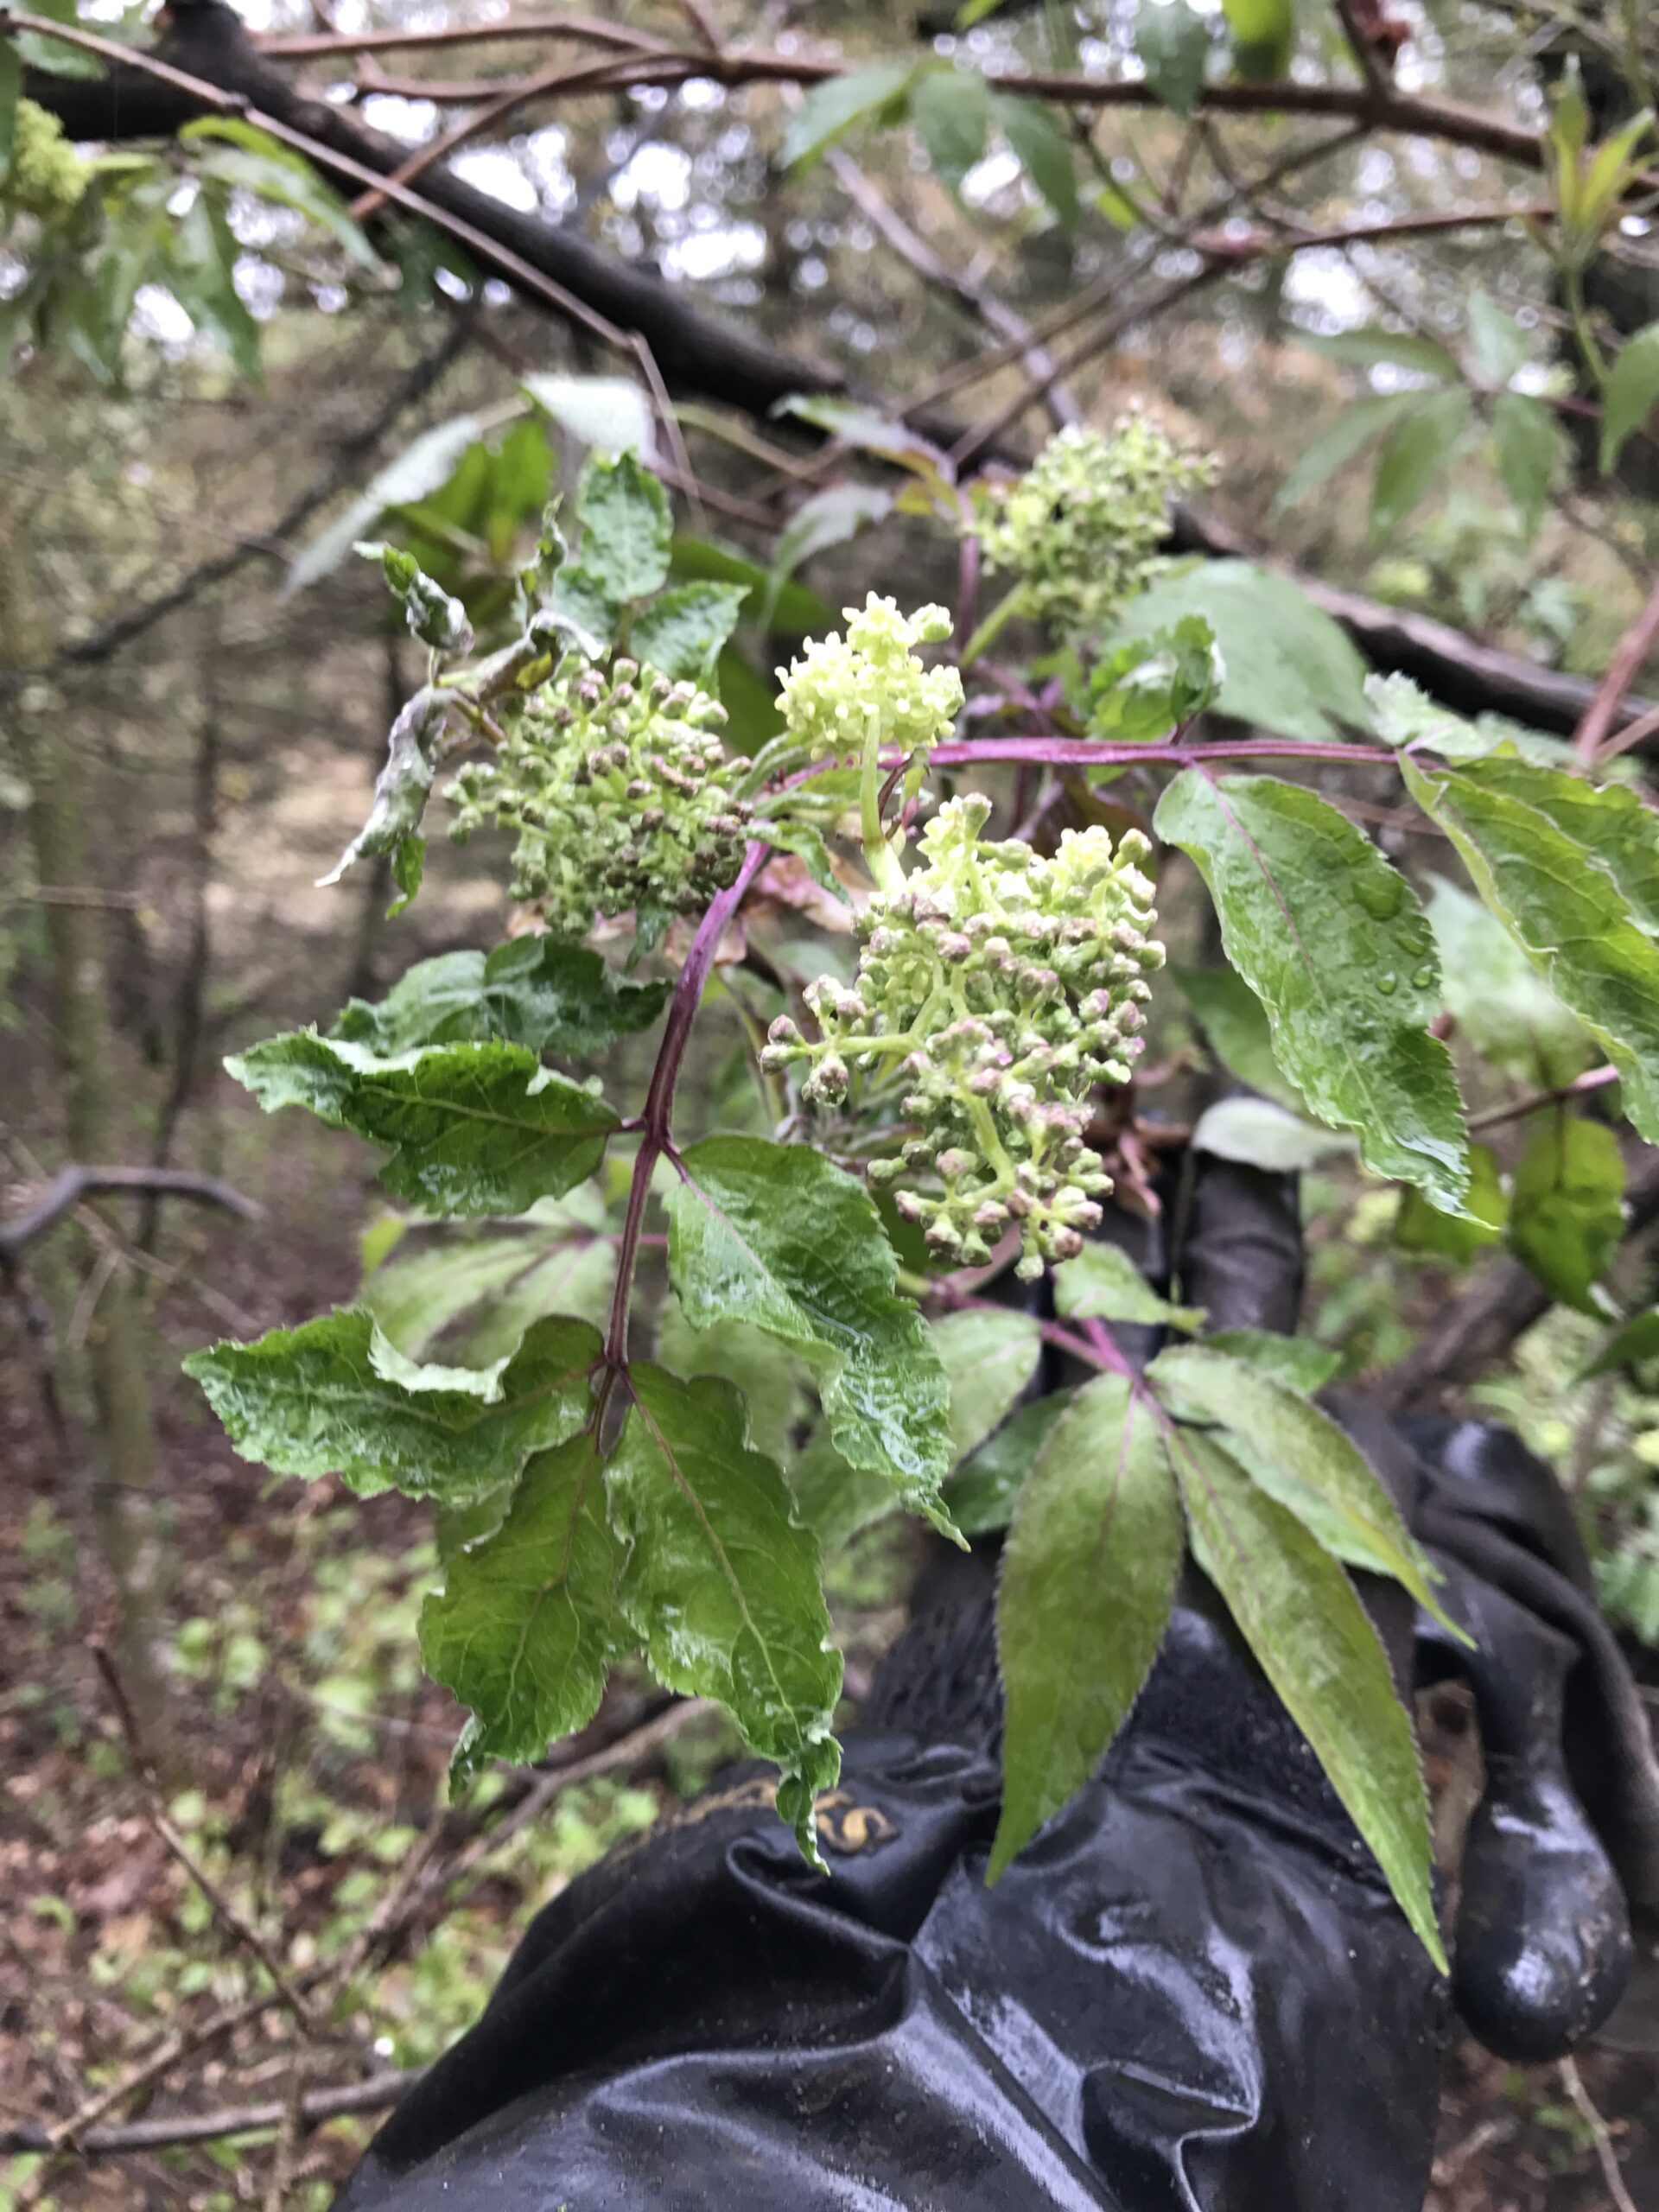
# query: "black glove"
1192, 1993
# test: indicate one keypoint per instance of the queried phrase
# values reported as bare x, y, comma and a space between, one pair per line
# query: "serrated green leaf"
1297, 1612
1414, 454
1289, 667
1235, 1025
778, 1236
1528, 445
1499, 999
1402, 715
1103, 1284
1458, 1238
682, 631
831, 108
527, 1624
1331, 939
1087, 1583
1156, 683
1568, 917
1631, 396
1348, 436
1632, 1344
1044, 152
1300, 1456
470, 1128
416, 1297
1611, 825
627, 531
951, 112
408, 864
721, 1584
983, 1491
336, 1396
541, 992
1296, 1362
1566, 1209
990, 1358
1172, 42
1257, 1133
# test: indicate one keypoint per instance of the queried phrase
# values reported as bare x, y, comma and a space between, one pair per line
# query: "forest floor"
308, 1786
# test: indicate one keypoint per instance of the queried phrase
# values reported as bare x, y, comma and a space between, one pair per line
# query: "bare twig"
1573, 2082
1591, 1079
1634, 647
73, 1184
375, 2094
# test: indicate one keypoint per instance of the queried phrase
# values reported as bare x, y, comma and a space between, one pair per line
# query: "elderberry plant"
960, 1099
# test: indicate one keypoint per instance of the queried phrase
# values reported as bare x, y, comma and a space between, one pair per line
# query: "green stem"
1595, 359
1011, 603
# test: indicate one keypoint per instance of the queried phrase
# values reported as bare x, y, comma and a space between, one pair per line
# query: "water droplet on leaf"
1422, 977
1388, 982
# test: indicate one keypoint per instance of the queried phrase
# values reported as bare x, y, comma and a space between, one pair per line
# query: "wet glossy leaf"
1331, 939
541, 992
721, 1584
1257, 1133
470, 1128
1567, 914
527, 1625
1087, 1583
1297, 1612
1299, 1456
336, 1396
778, 1236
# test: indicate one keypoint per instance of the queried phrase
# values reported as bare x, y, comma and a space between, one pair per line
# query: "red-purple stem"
656, 1137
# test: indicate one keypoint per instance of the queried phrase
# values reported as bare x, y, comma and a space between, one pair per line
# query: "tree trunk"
110, 1377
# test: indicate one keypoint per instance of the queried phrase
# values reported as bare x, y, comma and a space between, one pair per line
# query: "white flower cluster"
1082, 528
829, 696
1005, 987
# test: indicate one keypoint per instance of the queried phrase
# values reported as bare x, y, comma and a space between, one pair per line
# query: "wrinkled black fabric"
702, 2021
1192, 1993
